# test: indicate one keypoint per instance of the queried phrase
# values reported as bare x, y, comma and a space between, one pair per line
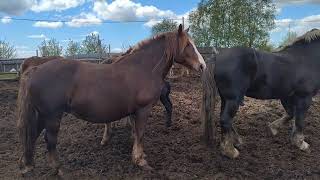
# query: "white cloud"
178, 20
6, 20
281, 3
37, 36
25, 53
300, 26
116, 50
45, 24
127, 10
286, 2
151, 23
84, 19
55, 5
15, 7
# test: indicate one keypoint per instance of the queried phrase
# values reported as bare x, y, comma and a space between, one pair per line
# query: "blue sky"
86, 16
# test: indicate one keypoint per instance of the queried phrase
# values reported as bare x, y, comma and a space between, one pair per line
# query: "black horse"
291, 74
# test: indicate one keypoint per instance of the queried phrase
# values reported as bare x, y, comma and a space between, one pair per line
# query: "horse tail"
209, 98
27, 119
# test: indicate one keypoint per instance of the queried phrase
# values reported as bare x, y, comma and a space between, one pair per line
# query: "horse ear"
180, 29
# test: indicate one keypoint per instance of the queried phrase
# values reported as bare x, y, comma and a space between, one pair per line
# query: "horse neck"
151, 59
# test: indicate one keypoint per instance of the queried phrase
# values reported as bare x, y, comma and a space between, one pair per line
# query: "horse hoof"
143, 164
103, 143
304, 146
273, 129
231, 153
62, 172
27, 171
238, 141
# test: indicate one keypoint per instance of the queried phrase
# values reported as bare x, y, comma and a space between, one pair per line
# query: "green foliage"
7, 50
267, 47
93, 45
50, 47
73, 48
229, 23
288, 39
164, 26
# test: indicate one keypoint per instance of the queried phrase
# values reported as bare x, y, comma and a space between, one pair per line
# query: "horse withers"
129, 86
291, 74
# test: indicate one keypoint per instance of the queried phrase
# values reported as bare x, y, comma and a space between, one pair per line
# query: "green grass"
6, 76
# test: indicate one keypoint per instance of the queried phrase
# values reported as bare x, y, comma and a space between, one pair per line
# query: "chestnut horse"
36, 61
164, 97
99, 93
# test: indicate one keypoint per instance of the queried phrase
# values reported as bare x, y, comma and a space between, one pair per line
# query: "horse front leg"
106, 134
302, 105
229, 109
138, 155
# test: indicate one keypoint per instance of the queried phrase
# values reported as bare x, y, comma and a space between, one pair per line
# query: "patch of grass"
6, 76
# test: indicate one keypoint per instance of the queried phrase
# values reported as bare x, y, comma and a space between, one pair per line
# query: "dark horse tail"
27, 120
209, 98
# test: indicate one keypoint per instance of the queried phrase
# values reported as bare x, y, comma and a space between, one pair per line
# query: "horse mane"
307, 38
170, 45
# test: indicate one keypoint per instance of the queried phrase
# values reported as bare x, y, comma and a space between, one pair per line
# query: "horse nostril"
201, 67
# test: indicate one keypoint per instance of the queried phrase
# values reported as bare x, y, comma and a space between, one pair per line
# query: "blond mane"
308, 37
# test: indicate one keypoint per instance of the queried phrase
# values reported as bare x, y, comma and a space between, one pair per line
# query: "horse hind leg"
106, 134
229, 135
302, 105
289, 108
165, 100
51, 137
29, 137
29, 129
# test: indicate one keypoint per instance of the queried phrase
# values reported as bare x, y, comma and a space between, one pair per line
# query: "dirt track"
175, 153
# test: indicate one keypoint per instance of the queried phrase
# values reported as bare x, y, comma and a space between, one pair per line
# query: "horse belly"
100, 112
101, 108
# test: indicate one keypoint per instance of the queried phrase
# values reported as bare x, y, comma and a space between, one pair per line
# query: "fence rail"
9, 65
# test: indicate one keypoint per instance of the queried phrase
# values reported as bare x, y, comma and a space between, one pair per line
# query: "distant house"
6, 65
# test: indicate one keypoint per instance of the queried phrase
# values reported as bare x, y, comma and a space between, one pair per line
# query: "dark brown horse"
99, 93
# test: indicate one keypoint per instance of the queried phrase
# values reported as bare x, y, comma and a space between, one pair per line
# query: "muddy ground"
175, 152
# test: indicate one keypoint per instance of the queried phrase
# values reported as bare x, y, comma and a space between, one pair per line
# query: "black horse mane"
308, 37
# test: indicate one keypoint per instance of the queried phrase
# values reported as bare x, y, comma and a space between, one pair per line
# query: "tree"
6, 50
93, 45
164, 26
229, 23
50, 48
288, 39
73, 48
